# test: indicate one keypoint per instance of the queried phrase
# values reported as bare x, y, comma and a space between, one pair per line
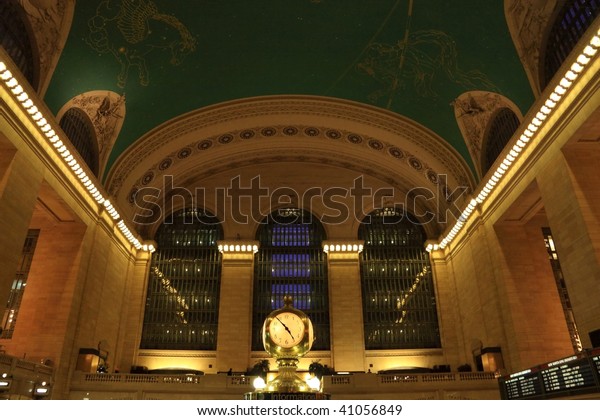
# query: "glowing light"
589, 51
259, 383
564, 82
17, 90
12, 83
576, 67
583, 59
554, 96
6, 75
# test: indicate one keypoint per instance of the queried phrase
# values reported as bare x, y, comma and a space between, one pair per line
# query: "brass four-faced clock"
287, 329
287, 332
287, 336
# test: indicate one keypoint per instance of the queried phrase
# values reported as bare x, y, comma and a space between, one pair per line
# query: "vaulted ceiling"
411, 58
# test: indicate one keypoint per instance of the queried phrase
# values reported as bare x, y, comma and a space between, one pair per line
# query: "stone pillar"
570, 189
234, 337
131, 331
345, 305
19, 189
451, 332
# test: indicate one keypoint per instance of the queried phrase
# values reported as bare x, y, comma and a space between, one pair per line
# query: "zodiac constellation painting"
134, 31
419, 60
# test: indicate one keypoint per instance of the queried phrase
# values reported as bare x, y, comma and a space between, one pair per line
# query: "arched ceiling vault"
167, 58
277, 129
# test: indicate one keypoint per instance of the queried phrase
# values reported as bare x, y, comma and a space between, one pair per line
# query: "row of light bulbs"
61, 149
528, 133
326, 248
238, 248
342, 248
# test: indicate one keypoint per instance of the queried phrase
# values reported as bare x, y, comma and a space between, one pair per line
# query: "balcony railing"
475, 385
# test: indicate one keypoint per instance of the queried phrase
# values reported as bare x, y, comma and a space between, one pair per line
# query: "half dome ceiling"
169, 58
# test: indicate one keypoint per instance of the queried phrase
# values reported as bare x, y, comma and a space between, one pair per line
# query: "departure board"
522, 385
596, 360
568, 374
572, 375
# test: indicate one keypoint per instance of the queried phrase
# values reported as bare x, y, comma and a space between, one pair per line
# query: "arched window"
501, 128
79, 129
182, 303
291, 261
571, 23
399, 305
15, 38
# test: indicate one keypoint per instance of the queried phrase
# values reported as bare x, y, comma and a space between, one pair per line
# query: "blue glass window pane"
291, 235
290, 265
301, 293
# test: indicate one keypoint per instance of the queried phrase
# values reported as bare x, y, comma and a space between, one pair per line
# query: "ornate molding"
176, 353
528, 23
403, 353
203, 123
50, 21
473, 111
168, 163
106, 111
216, 166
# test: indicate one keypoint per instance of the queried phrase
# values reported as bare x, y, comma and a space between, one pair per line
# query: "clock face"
286, 329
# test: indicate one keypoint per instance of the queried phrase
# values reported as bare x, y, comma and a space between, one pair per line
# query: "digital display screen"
596, 361
569, 375
523, 386
575, 374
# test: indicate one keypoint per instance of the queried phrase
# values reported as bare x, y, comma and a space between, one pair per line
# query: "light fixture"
537, 121
313, 383
259, 383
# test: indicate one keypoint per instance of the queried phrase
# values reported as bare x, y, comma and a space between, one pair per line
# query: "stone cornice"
230, 122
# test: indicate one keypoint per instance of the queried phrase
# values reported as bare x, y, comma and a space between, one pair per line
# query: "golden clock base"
277, 395
287, 380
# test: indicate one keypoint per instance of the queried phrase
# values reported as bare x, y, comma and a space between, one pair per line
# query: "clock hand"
285, 326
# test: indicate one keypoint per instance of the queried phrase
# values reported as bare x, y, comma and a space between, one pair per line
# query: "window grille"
501, 129
17, 290
182, 304
291, 261
399, 304
15, 38
571, 23
77, 126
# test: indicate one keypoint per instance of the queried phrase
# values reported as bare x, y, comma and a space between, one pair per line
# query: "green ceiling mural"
413, 57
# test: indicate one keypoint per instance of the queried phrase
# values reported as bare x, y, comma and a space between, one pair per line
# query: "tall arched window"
399, 305
291, 261
79, 129
571, 23
16, 40
501, 128
182, 303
